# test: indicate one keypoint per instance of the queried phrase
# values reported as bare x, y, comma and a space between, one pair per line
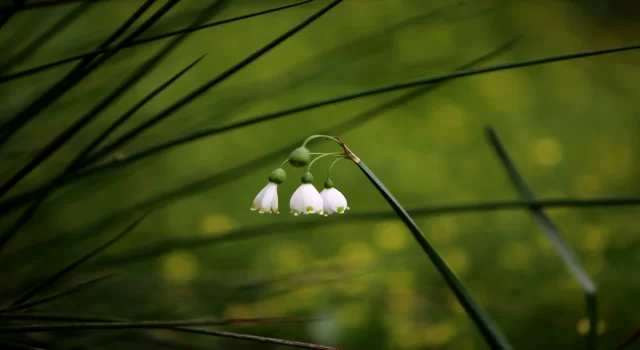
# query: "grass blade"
66, 291
130, 112
61, 25
67, 269
59, 318
634, 337
354, 122
397, 86
491, 333
7, 344
106, 325
215, 81
68, 81
562, 248
30, 71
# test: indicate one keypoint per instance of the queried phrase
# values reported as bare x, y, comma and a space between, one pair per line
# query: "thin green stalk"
67, 269
30, 71
124, 139
563, 249
79, 72
350, 124
490, 332
397, 86
65, 292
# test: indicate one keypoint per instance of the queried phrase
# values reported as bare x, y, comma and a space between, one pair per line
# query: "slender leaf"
491, 333
634, 337
397, 86
58, 318
67, 269
7, 344
79, 124
137, 42
210, 84
10, 11
61, 25
65, 292
354, 122
10, 127
561, 246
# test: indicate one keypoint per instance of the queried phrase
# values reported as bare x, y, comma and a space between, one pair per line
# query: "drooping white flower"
267, 200
333, 201
306, 200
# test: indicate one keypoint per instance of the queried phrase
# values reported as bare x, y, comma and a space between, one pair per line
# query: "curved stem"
284, 163
322, 156
331, 167
313, 137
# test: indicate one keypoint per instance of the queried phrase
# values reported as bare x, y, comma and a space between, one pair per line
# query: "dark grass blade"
62, 138
11, 345
68, 81
252, 232
633, 338
27, 72
67, 269
210, 84
10, 11
132, 111
69, 290
354, 122
397, 86
561, 246
118, 323
491, 333
62, 24
34, 4
58, 318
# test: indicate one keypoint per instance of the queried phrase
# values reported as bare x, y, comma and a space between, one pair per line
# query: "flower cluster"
306, 199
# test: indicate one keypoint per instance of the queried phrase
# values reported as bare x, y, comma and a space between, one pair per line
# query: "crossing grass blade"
563, 249
350, 124
137, 42
67, 269
55, 296
383, 89
489, 331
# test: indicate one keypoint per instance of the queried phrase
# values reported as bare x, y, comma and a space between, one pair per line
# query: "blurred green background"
572, 128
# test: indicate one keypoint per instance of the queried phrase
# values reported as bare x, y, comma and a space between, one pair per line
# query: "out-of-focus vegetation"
571, 128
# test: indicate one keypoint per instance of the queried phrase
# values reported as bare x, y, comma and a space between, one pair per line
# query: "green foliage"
176, 110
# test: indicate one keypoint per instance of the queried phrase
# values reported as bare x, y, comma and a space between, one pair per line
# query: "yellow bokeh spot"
443, 230
289, 256
547, 152
353, 287
544, 243
239, 311
352, 314
438, 334
584, 325
508, 92
587, 185
405, 335
391, 236
401, 279
357, 255
458, 259
215, 225
515, 256
179, 266
595, 238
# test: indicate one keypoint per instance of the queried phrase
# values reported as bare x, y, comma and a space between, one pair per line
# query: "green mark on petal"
340, 210
309, 209
253, 206
261, 210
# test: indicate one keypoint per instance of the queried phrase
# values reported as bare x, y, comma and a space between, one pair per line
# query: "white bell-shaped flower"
267, 200
332, 199
306, 199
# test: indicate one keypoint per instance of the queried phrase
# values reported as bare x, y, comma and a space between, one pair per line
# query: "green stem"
313, 137
341, 154
491, 333
331, 166
284, 163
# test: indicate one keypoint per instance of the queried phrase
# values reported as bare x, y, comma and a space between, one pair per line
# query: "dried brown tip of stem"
347, 151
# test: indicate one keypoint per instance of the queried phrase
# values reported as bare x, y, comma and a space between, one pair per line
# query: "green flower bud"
328, 183
307, 178
278, 176
300, 157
